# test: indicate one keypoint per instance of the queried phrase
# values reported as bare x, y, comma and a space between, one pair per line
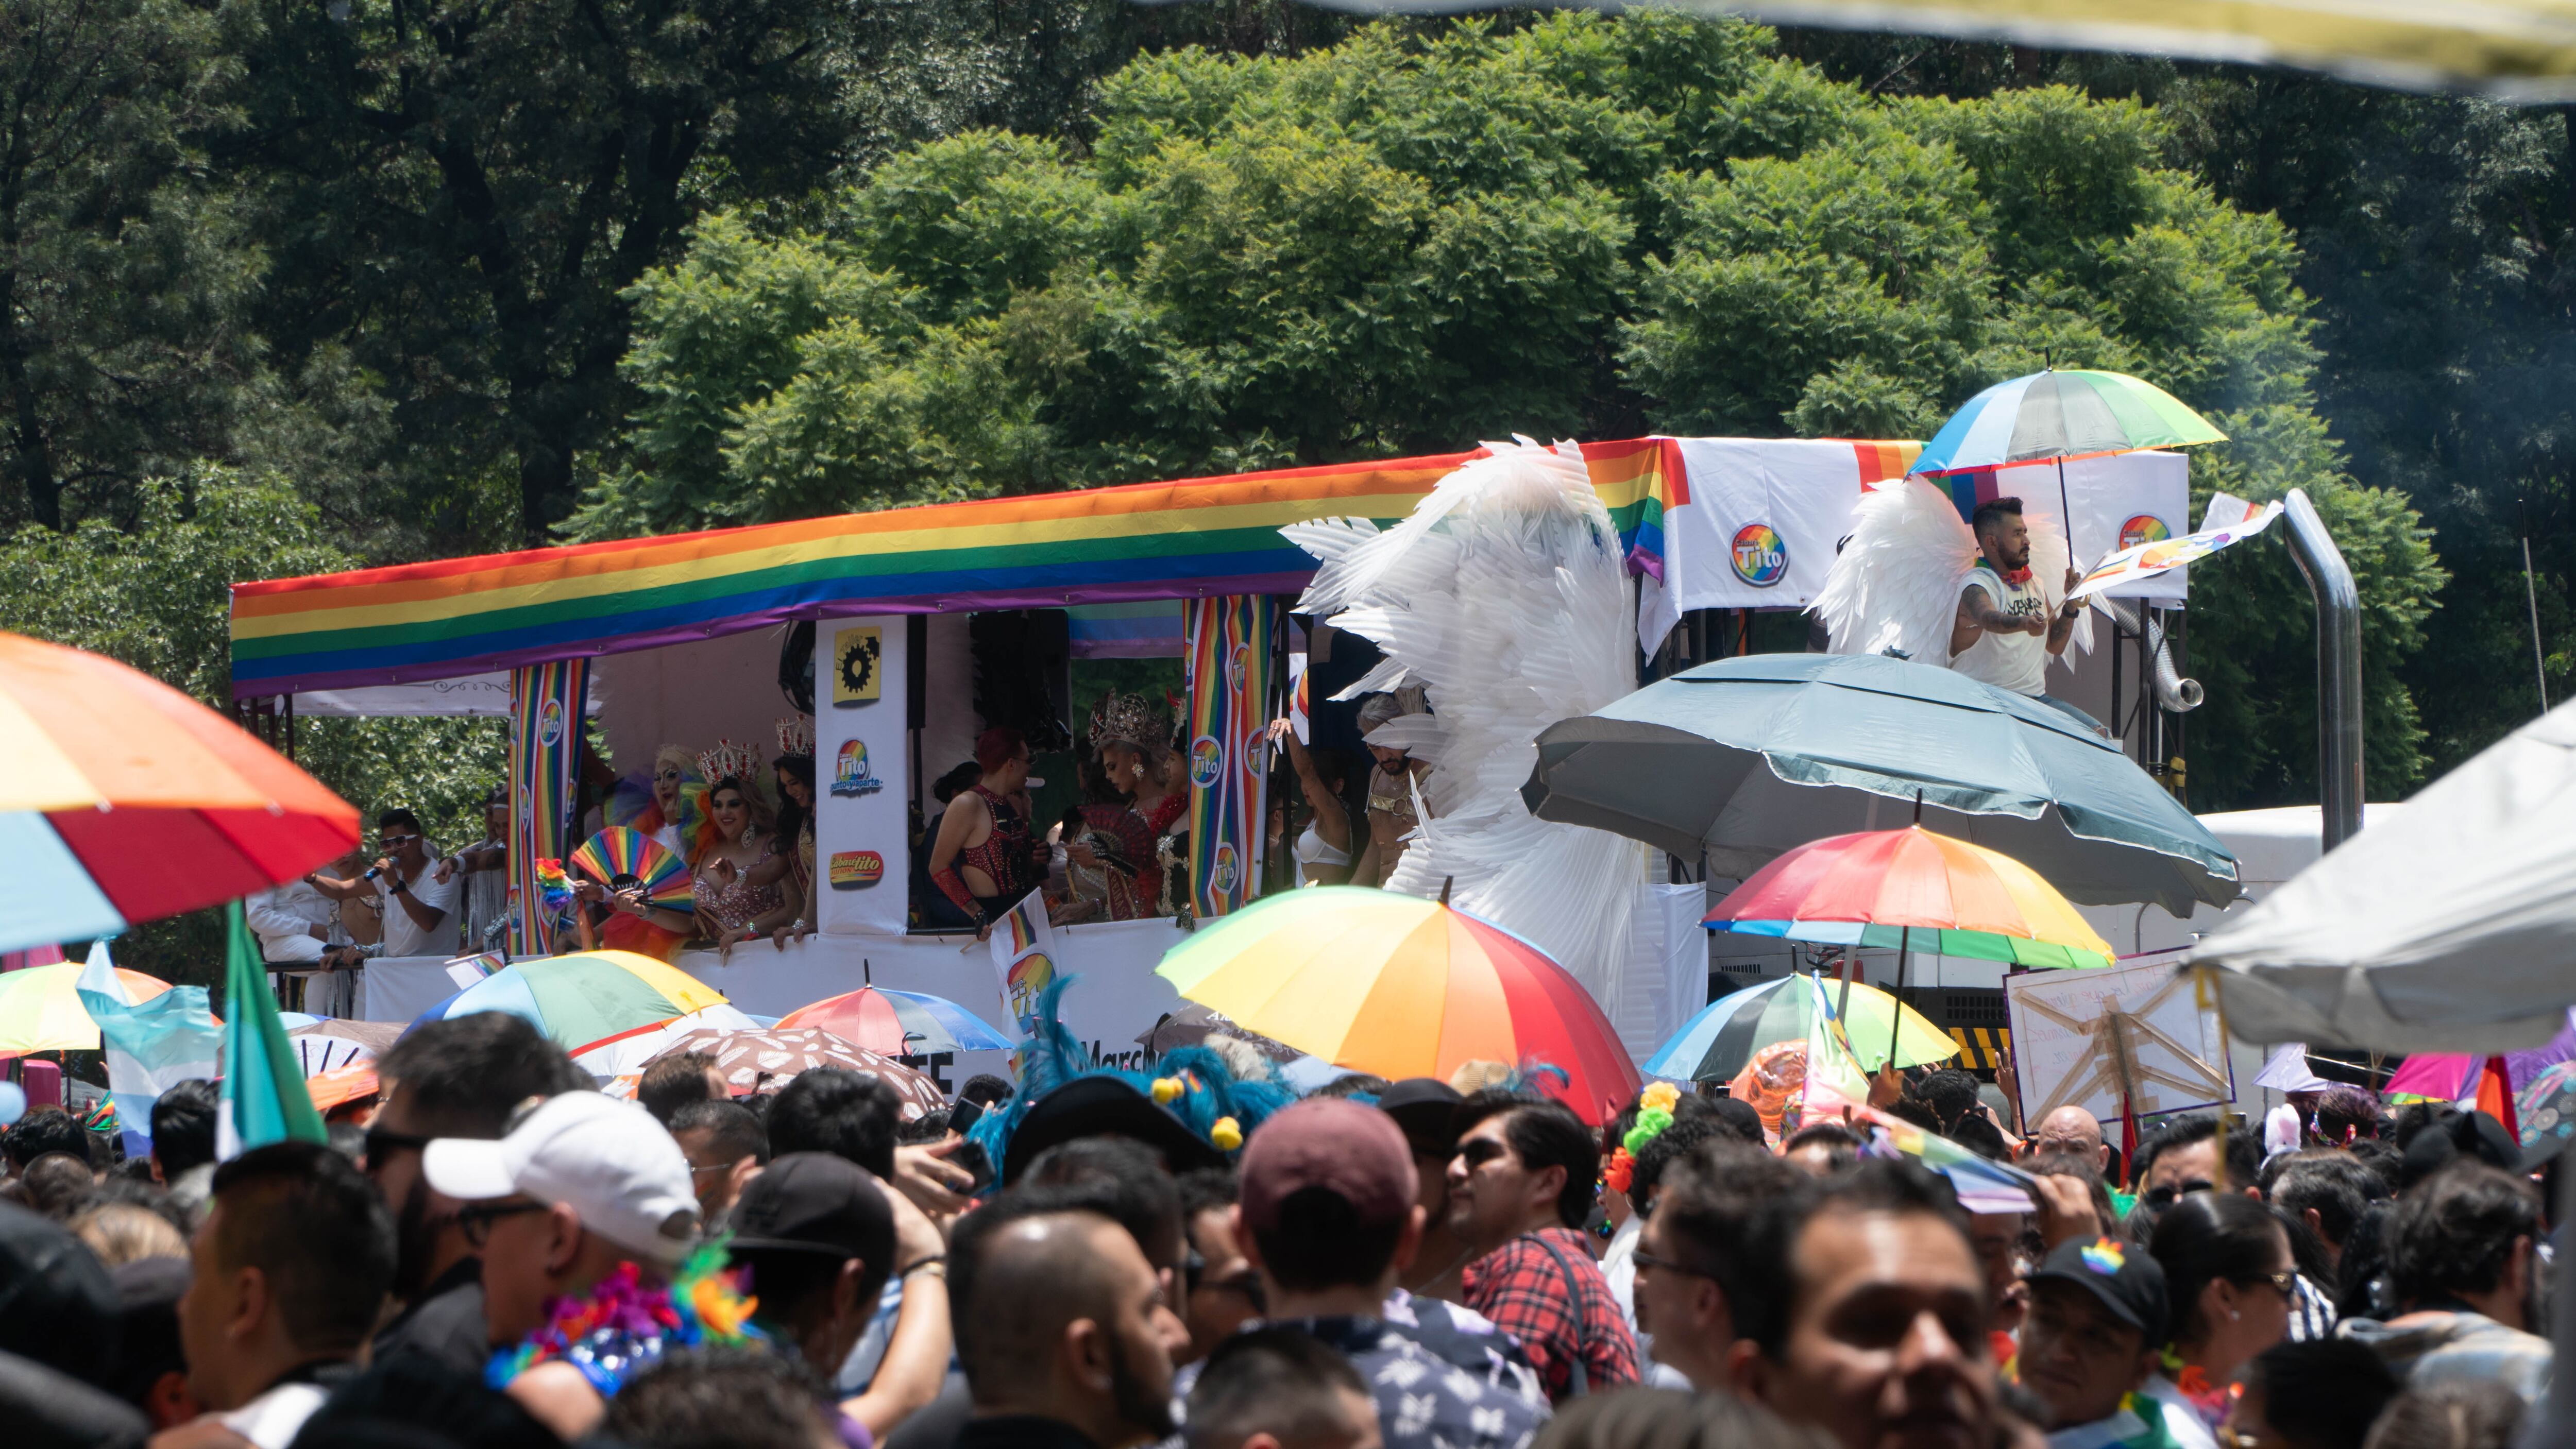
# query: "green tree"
121, 279
1570, 226
159, 597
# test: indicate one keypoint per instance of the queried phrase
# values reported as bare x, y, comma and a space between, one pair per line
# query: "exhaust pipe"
2338, 667
2174, 694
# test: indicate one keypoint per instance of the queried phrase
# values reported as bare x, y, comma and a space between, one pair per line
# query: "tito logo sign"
1759, 557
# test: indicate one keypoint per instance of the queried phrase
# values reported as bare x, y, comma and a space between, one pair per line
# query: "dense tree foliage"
1576, 226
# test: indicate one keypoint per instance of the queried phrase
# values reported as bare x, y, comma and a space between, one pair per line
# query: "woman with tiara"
734, 868
1128, 733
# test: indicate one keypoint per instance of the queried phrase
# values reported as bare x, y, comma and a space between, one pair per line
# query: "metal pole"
1896, 1014
2338, 600
2531, 597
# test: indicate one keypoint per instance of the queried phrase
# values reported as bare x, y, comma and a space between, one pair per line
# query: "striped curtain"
1230, 671
546, 711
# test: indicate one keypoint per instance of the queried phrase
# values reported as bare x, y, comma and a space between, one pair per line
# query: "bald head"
1017, 1280
2071, 1129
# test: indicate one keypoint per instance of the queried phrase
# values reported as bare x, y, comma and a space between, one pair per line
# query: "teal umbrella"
1750, 757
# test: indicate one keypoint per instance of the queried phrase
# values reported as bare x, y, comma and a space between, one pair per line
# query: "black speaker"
796, 666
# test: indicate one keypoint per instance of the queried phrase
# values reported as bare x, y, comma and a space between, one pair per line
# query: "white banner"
861, 774
1762, 519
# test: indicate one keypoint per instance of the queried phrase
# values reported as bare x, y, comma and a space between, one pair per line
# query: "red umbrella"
125, 800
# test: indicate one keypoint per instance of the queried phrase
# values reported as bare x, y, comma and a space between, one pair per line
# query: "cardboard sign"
2090, 1037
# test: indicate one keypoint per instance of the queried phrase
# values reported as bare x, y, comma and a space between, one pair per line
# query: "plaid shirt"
1522, 1289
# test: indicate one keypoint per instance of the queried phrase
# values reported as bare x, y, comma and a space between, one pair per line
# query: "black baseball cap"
2453, 1134
1103, 1106
815, 1202
1424, 1107
2123, 1276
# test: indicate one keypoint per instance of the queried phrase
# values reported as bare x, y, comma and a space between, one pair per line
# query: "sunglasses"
2163, 1197
1248, 1283
2288, 1283
1481, 1151
383, 1142
1667, 1265
476, 1219
395, 842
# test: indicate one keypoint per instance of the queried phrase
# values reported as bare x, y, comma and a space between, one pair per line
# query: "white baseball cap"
607, 1160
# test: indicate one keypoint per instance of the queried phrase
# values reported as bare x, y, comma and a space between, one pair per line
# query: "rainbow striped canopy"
1910, 887
622, 852
2062, 414
1184, 540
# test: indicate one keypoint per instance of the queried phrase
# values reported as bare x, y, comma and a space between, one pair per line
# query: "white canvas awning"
468, 696
2450, 928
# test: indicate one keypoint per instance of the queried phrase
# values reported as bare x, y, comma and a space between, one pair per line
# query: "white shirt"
2018, 662
272, 1420
281, 917
403, 935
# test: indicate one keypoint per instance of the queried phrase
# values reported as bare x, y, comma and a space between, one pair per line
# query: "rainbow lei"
625, 1326
1654, 1114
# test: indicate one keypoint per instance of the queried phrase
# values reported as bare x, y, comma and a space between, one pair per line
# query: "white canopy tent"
2453, 930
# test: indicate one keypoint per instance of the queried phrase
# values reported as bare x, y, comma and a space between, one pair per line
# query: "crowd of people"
493, 1252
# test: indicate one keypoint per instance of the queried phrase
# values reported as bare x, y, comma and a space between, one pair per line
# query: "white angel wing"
1896, 583
1505, 596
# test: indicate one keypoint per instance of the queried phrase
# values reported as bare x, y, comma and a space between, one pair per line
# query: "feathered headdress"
1197, 1085
1128, 719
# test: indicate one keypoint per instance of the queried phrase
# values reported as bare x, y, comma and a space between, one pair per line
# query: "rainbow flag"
1230, 666
1024, 956
546, 705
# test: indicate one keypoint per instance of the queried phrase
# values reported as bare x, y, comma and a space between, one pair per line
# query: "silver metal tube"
2173, 692
2338, 667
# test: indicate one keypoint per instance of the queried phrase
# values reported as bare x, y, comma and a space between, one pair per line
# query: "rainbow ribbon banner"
2146, 560
548, 703
1230, 668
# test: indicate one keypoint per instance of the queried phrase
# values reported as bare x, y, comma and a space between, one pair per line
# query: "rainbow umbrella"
1720, 1038
125, 800
40, 1011
623, 856
1387, 983
1912, 890
2062, 414
899, 1023
583, 998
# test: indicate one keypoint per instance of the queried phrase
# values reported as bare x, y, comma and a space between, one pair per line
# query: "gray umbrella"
1747, 758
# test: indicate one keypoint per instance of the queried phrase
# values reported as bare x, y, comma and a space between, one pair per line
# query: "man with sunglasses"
582, 1187
457, 1078
1327, 1216
416, 902
2182, 1158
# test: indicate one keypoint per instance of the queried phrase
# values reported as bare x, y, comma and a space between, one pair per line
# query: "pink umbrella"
2446, 1076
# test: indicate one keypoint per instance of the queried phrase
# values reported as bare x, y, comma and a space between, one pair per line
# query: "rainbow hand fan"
621, 856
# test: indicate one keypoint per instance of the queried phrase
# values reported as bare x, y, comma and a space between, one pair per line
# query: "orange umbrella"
125, 800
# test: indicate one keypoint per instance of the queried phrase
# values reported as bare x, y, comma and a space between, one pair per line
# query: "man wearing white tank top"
2005, 633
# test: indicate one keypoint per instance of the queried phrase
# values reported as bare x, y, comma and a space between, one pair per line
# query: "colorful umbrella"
1911, 889
624, 1054
621, 856
1719, 1041
2074, 413
125, 800
899, 1023
2448, 1076
582, 998
40, 1011
333, 1044
1403, 987
2547, 1106
765, 1059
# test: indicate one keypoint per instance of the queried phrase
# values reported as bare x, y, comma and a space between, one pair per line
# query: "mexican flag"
264, 1100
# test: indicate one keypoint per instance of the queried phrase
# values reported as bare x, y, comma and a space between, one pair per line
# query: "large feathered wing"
1505, 597
1896, 583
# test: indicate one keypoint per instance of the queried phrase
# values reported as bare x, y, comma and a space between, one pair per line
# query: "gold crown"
796, 734
728, 761
1128, 719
